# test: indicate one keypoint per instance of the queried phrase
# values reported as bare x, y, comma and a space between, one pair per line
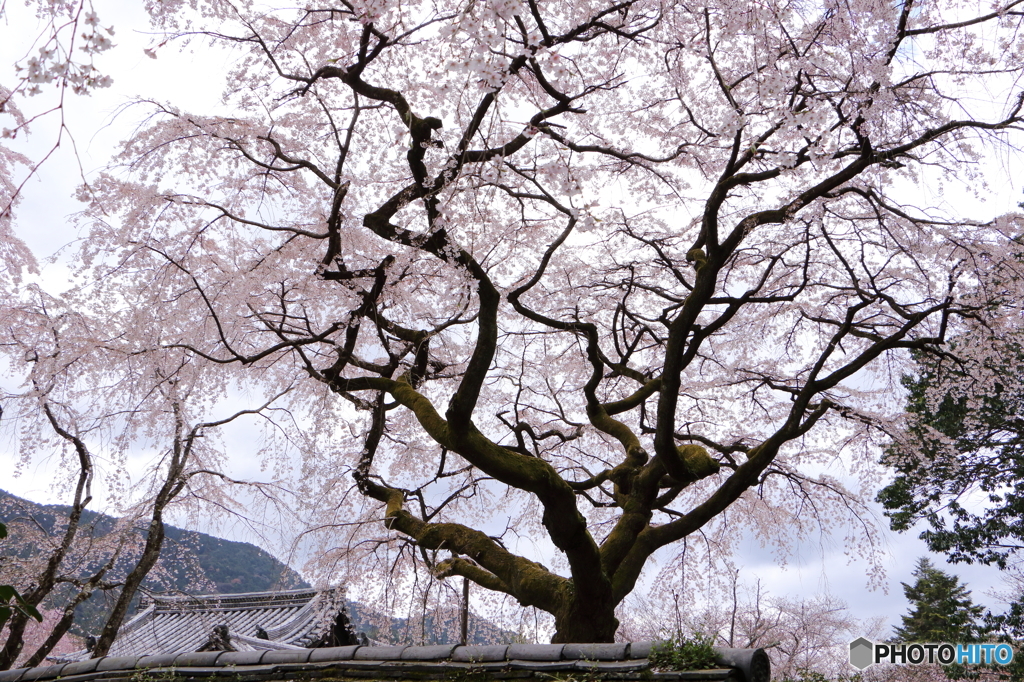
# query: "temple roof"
256, 621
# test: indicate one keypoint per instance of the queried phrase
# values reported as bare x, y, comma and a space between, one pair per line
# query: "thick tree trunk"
586, 621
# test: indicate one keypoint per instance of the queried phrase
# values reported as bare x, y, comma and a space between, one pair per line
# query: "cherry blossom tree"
561, 285
70, 35
806, 638
88, 398
37, 633
42, 400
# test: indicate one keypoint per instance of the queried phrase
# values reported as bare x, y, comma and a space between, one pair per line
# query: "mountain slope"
191, 562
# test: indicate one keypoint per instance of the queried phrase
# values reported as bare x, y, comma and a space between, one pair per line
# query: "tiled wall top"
533, 655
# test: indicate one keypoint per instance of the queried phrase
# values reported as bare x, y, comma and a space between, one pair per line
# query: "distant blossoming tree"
560, 285
85, 397
806, 638
36, 635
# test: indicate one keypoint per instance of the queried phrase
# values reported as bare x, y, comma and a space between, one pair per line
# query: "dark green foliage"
679, 653
941, 608
10, 600
234, 567
970, 440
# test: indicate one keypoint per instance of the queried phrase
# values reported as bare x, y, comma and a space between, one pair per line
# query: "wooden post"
465, 611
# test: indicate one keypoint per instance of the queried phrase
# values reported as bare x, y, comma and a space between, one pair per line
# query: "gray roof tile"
641, 649
240, 658
334, 653
595, 652
609, 662
436, 652
379, 653
475, 654
45, 673
157, 661
195, 659
117, 663
183, 624
11, 675
86, 666
300, 656
535, 652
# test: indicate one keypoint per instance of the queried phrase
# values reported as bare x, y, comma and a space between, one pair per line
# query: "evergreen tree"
942, 609
10, 601
965, 435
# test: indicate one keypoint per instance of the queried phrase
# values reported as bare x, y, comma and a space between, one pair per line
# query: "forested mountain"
191, 562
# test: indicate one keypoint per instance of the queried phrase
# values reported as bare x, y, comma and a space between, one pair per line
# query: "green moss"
698, 461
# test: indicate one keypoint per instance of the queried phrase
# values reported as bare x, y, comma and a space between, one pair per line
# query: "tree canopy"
533, 293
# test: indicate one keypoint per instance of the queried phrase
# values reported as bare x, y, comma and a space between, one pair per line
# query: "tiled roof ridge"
230, 601
623, 660
307, 615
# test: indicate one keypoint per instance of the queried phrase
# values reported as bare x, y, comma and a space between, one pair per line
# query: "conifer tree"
942, 609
